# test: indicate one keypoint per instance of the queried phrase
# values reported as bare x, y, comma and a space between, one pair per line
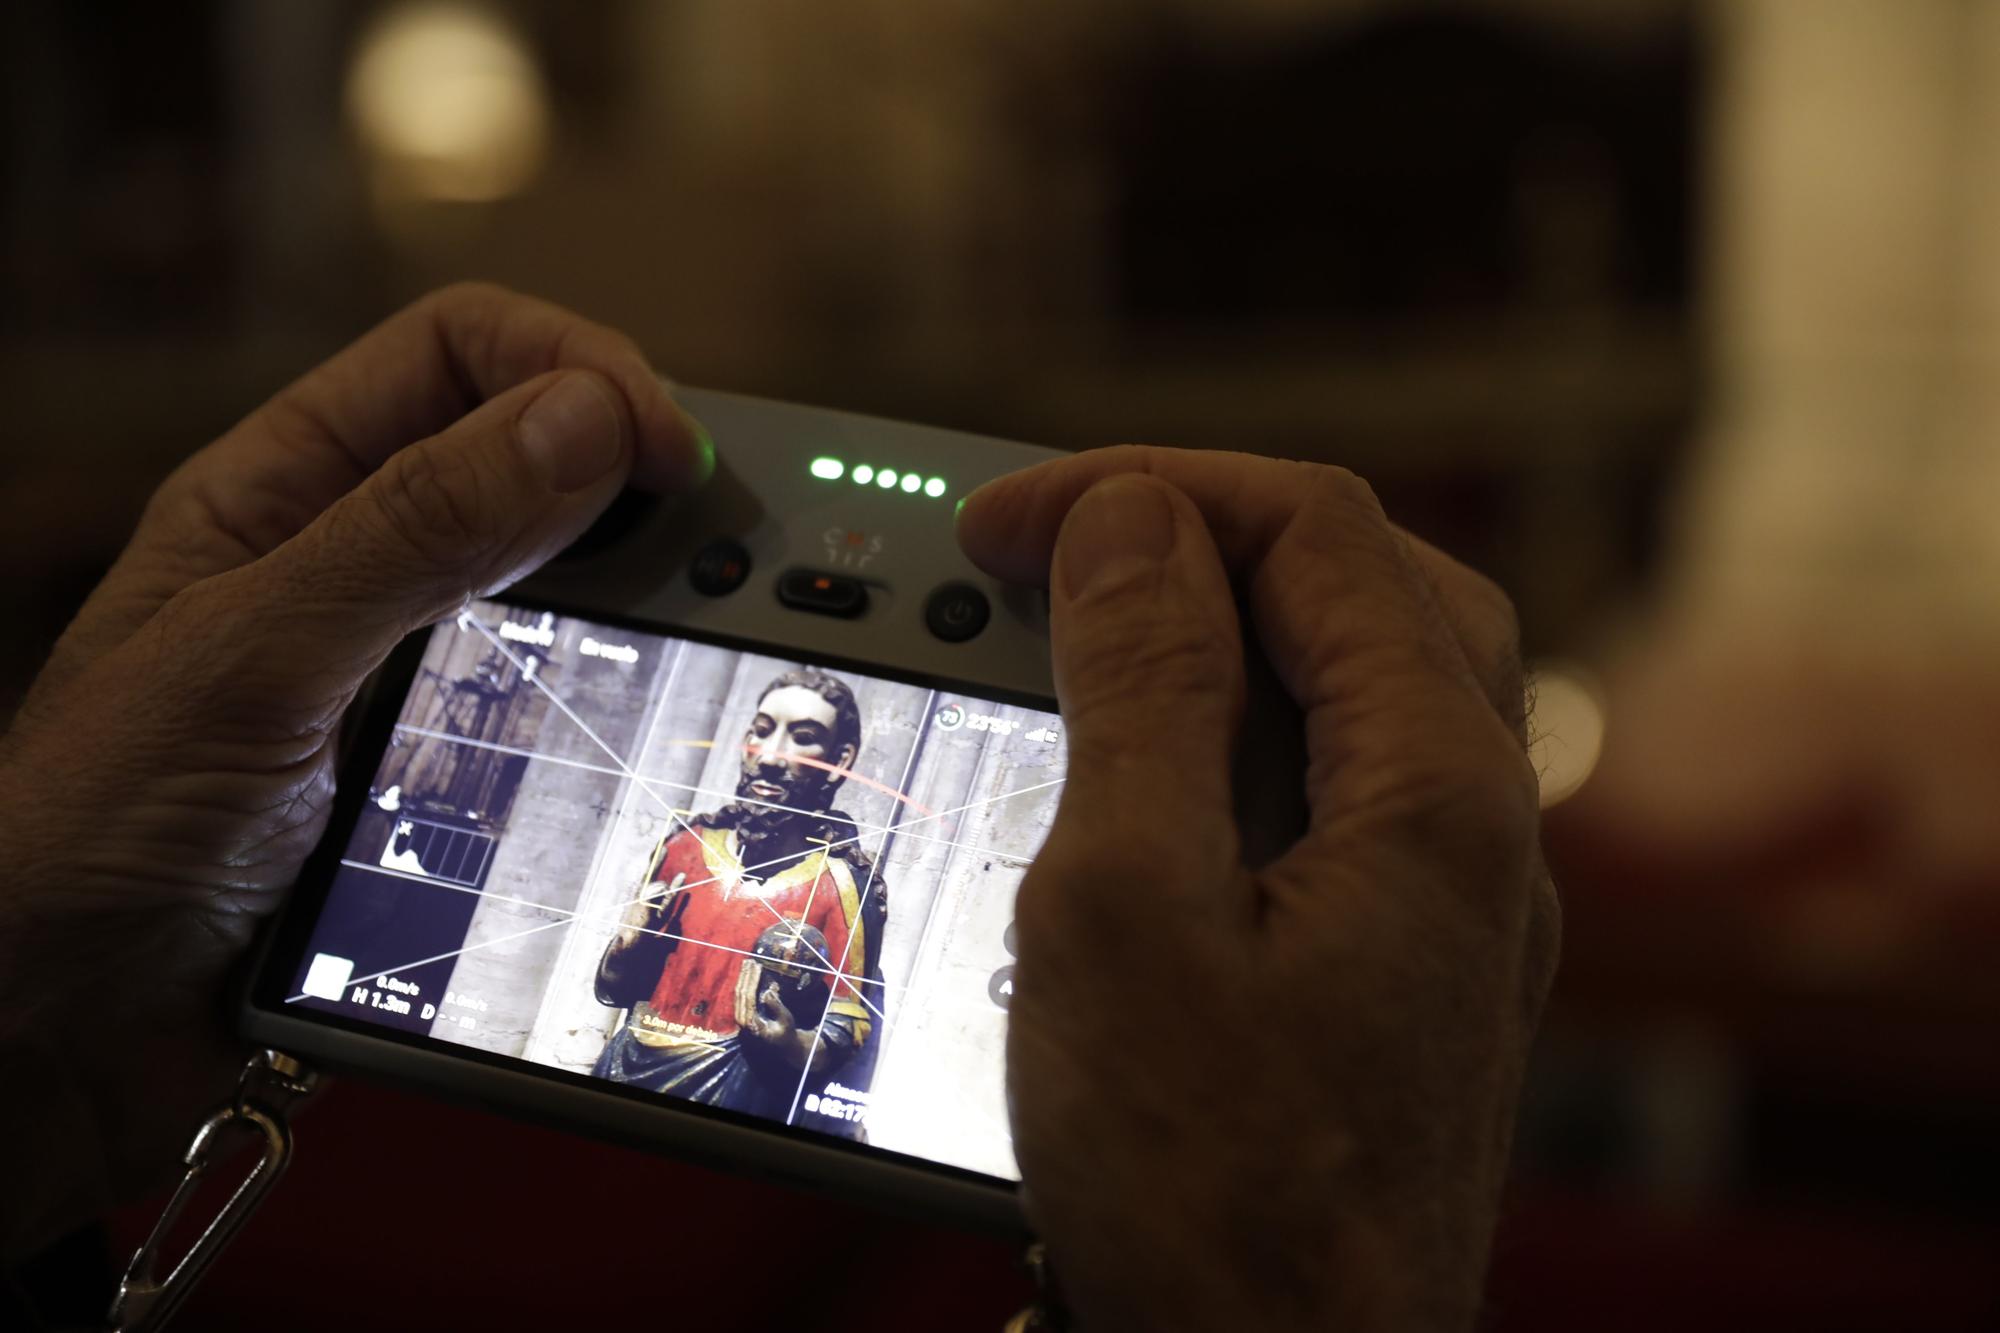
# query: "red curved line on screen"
838, 771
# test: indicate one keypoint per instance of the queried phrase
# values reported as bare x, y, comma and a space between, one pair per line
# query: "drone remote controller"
706, 836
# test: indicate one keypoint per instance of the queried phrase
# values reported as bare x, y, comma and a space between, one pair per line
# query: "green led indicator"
912, 483
828, 469
886, 478
934, 487
863, 473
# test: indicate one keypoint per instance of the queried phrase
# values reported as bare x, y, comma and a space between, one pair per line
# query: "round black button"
957, 611
1000, 986
719, 567
620, 517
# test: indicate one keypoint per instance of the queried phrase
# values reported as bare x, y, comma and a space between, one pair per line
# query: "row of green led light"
832, 469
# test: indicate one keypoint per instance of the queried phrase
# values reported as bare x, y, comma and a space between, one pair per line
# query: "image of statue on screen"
748, 961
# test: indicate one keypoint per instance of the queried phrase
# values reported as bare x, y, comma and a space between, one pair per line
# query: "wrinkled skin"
1272, 1098
1243, 1098
173, 764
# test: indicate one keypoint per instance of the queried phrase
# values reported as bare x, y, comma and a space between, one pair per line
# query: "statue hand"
761, 1012
774, 1021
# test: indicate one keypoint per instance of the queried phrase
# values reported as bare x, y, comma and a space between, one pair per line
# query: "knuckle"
1496, 655
1497, 620
198, 621
1338, 537
184, 527
1340, 506
621, 345
1315, 497
1342, 488
1488, 603
1126, 457
467, 294
436, 503
468, 317
1471, 807
1482, 617
221, 679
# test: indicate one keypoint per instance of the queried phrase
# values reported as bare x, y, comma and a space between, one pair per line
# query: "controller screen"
736, 879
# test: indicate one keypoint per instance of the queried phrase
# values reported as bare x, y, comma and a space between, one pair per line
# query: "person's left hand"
173, 765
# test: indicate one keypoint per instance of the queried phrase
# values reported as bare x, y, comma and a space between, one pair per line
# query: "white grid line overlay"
902, 784
365, 978
570, 713
866, 826
857, 983
615, 910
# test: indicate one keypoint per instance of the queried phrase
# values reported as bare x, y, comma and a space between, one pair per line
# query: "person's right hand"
1281, 1097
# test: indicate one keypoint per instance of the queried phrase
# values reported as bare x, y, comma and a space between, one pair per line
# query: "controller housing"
784, 550
897, 544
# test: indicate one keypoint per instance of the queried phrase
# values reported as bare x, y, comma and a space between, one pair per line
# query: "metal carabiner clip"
146, 1301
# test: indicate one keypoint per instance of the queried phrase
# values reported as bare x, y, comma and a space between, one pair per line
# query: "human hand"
1307, 1124
173, 765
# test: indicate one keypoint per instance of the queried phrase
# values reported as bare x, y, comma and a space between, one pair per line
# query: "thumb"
1148, 662
454, 517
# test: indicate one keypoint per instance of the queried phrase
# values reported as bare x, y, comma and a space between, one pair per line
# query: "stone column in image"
560, 816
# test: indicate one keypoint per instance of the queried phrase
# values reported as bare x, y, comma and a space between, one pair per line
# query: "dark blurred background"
1674, 316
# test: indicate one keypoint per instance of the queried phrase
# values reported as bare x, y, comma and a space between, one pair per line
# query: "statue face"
793, 725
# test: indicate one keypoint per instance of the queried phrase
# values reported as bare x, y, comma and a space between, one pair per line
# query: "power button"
956, 612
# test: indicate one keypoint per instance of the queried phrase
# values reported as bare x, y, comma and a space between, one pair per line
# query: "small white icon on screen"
327, 978
1045, 735
405, 860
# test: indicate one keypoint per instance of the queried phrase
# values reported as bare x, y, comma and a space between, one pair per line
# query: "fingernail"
1118, 528
572, 434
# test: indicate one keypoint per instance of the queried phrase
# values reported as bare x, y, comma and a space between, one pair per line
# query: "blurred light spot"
1566, 729
448, 100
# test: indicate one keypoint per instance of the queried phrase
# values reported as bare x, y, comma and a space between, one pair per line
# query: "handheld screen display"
740, 880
